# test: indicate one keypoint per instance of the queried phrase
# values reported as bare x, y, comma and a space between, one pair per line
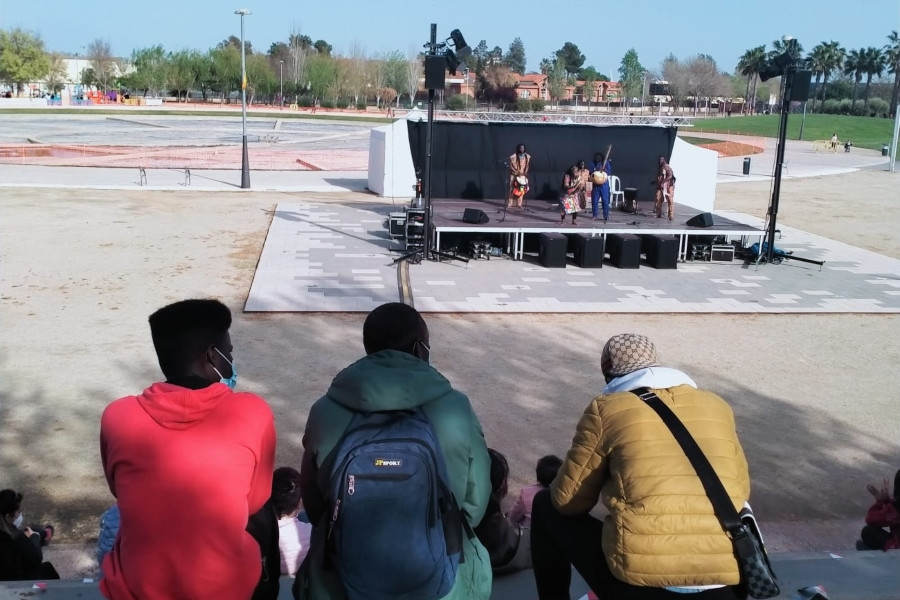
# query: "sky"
653, 28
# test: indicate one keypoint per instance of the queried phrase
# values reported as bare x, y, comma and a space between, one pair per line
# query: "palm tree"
749, 65
781, 46
873, 65
816, 62
892, 53
833, 57
853, 65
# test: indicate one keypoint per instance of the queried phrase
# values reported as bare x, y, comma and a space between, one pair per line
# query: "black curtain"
468, 160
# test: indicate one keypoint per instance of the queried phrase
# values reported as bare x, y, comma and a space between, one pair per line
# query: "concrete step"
851, 576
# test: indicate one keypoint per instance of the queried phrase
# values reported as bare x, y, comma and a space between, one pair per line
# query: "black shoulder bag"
757, 575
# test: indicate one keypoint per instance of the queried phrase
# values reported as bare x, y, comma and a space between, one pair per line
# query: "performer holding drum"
519, 165
601, 169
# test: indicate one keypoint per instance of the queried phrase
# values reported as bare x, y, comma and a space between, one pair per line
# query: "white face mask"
19, 520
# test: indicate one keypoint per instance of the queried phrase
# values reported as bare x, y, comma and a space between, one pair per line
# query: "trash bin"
747, 166
884, 150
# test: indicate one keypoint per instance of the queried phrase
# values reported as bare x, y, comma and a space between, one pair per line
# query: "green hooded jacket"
392, 380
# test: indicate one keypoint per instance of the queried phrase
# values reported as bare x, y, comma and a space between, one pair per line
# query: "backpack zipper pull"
334, 516
351, 484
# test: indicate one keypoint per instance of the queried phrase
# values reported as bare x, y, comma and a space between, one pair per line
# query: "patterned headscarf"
626, 353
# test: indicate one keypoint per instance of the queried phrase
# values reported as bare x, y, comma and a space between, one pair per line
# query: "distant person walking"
834, 142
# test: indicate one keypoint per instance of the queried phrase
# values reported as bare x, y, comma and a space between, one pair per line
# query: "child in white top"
293, 534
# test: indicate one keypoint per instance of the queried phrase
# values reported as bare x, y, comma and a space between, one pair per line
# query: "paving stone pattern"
338, 258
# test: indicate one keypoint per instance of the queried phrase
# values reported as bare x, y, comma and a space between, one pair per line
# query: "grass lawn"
190, 113
864, 132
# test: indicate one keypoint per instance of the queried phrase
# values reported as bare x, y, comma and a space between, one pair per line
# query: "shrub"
305, 101
456, 102
878, 107
327, 104
361, 105
523, 105
538, 105
831, 106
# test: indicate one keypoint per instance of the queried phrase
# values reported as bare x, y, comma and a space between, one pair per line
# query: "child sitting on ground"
546, 469
884, 513
293, 534
508, 544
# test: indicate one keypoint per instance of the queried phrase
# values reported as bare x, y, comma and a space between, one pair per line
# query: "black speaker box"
553, 250
701, 220
661, 250
800, 88
624, 250
475, 215
434, 72
588, 250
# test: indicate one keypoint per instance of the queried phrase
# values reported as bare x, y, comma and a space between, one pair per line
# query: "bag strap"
719, 498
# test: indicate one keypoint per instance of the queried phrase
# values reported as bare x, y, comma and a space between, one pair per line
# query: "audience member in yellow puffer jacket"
661, 536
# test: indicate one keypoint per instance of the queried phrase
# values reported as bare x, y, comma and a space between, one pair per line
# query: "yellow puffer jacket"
661, 530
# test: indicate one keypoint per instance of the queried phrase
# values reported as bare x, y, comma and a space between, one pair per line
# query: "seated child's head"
499, 475
286, 491
546, 469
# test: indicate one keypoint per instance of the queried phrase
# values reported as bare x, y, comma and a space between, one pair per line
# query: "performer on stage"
519, 163
665, 189
568, 202
601, 190
584, 175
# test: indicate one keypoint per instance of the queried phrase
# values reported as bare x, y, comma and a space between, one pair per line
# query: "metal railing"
568, 118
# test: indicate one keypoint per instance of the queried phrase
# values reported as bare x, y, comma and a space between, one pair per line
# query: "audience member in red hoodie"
189, 460
884, 513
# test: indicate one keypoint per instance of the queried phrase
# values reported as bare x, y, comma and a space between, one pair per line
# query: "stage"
539, 216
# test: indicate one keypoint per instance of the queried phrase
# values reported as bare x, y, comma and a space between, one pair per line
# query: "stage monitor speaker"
800, 89
475, 215
624, 250
588, 250
553, 250
701, 220
434, 72
661, 250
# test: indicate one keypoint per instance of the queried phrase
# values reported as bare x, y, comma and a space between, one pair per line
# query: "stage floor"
334, 257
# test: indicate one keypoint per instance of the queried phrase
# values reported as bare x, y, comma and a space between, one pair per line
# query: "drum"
599, 177
520, 186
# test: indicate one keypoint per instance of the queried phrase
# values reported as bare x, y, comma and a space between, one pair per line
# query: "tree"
832, 57
572, 58
261, 79
498, 86
793, 47
22, 58
892, 55
873, 65
233, 41
102, 62
515, 57
185, 72
631, 76
557, 80
413, 72
279, 51
322, 73
816, 61
589, 77
357, 72
387, 94
151, 69
854, 65
56, 75
749, 66
322, 47
676, 74
299, 49
704, 80
375, 77
395, 72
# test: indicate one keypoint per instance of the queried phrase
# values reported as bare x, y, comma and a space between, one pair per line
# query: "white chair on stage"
615, 191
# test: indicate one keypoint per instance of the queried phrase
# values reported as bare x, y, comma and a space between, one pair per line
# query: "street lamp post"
245, 161
281, 77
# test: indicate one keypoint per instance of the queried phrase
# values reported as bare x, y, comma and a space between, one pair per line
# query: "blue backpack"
395, 531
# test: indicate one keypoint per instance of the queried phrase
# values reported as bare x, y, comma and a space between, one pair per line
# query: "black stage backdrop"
468, 160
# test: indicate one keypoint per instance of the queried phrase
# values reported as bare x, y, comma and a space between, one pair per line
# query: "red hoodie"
188, 468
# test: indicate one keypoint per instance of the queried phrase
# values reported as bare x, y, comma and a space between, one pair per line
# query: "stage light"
459, 44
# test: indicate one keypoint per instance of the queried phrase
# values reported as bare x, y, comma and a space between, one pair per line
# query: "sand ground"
815, 395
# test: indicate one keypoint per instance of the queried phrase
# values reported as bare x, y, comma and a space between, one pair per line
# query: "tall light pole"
245, 161
281, 78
